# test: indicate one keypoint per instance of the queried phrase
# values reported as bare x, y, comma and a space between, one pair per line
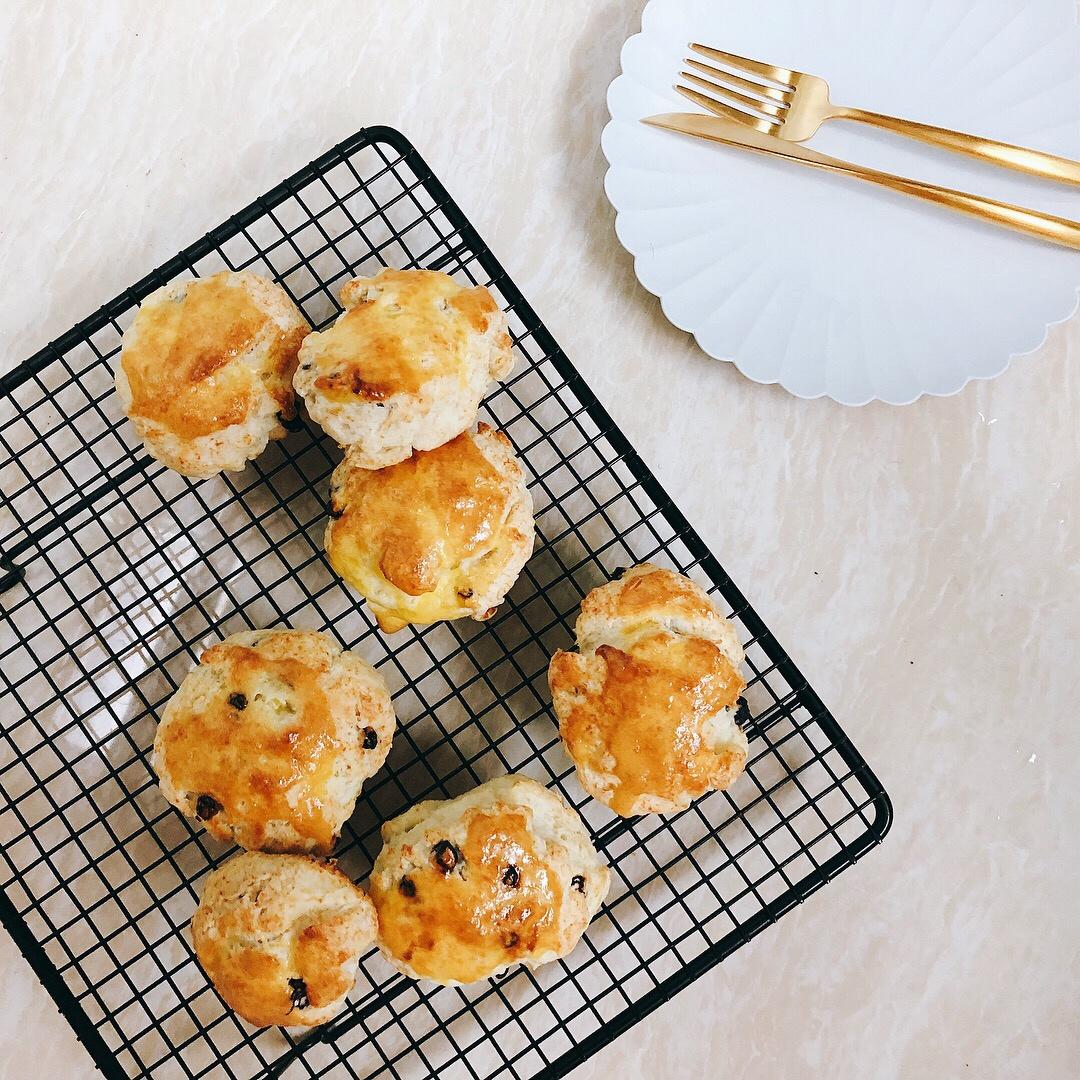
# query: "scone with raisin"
647, 704
269, 740
280, 937
505, 874
205, 370
406, 364
441, 535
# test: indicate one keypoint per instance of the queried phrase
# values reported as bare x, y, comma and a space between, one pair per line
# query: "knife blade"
1056, 230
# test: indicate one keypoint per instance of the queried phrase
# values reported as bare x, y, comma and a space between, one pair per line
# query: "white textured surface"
812, 281
921, 564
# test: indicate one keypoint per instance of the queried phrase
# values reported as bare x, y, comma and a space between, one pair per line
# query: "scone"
405, 366
268, 741
280, 937
647, 705
441, 535
505, 874
205, 371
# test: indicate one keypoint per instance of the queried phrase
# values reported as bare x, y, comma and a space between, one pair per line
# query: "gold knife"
1057, 230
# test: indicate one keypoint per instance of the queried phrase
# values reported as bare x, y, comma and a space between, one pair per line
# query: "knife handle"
1057, 230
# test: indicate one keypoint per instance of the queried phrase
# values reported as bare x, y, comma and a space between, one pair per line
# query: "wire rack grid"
115, 573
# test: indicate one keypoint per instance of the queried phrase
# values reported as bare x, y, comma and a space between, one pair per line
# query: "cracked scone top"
647, 706
441, 535
280, 937
406, 364
505, 874
205, 370
269, 740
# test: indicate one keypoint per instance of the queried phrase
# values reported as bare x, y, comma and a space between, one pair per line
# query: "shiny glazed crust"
205, 371
467, 887
442, 535
647, 706
280, 937
268, 741
405, 366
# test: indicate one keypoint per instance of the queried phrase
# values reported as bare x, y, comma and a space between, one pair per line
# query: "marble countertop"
921, 564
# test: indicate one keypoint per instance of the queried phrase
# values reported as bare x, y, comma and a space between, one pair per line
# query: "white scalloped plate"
823, 285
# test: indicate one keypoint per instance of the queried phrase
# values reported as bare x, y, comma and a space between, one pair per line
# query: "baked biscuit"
441, 535
205, 371
280, 937
505, 874
268, 741
405, 366
647, 705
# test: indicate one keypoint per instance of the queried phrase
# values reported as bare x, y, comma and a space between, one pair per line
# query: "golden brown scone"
505, 874
280, 937
405, 366
441, 535
268, 741
205, 371
647, 706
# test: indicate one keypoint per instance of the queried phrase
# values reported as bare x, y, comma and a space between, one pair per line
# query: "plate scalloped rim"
1038, 335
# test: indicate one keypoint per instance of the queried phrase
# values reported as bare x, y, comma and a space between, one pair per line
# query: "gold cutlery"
734, 133
799, 104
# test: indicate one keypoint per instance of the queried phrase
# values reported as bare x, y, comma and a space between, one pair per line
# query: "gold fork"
793, 105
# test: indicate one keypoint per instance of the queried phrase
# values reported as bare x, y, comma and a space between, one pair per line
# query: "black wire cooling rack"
115, 573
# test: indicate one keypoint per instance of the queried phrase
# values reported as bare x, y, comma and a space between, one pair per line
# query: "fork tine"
784, 76
760, 89
766, 127
741, 100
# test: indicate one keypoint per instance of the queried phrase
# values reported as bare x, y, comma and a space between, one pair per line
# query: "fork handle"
1019, 158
